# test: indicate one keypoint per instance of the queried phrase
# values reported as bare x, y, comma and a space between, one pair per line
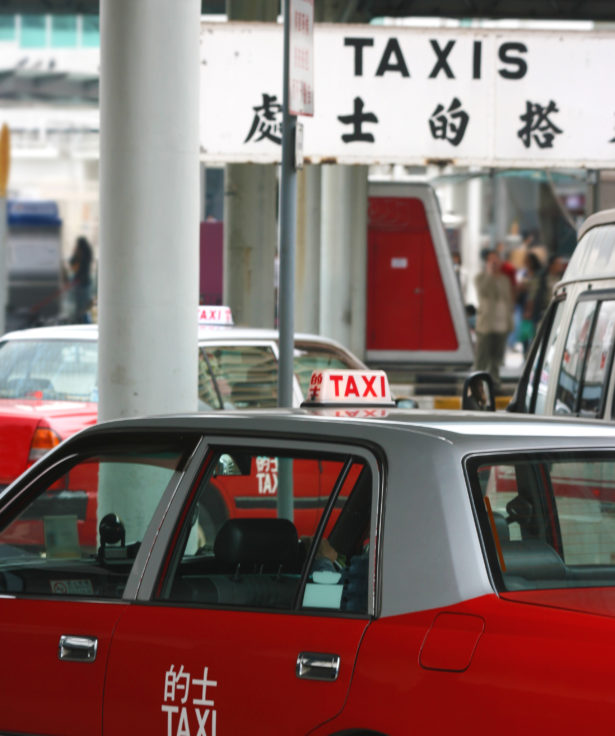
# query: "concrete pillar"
343, 255
307, 275
250, 228
149, 198
358, 261
250, 243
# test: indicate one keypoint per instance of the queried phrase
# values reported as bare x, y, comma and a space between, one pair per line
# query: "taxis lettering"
392, 60
188, 708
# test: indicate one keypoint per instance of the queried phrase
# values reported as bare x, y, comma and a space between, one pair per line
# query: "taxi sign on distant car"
214, 316
349, 387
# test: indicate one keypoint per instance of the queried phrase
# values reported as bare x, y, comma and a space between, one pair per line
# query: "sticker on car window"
72, 587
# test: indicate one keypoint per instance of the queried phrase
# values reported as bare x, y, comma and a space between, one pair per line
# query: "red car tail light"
44, 439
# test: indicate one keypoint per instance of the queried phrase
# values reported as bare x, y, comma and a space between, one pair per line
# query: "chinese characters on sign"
267, 121
448, 124
538, 125
357, 119
451, 124
189, 703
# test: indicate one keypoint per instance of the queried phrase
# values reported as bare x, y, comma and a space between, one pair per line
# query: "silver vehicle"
570, 369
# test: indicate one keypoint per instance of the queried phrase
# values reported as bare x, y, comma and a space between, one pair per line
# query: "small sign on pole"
301, 59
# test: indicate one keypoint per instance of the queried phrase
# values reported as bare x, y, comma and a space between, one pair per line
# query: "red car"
48, 391
458, 575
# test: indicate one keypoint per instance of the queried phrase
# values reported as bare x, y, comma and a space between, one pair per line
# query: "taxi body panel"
437, 644
531, 665
258, 677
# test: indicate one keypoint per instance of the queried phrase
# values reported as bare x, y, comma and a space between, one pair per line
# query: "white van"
570, 368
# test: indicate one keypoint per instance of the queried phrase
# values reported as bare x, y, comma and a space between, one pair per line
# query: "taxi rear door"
247, 650
183, 670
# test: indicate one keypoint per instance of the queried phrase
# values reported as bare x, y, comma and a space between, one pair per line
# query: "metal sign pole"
288, 210
286, 293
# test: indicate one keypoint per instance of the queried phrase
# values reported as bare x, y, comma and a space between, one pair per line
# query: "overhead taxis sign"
369, 388
405, 95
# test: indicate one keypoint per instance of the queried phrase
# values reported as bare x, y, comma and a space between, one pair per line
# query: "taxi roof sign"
215, 316
331, 387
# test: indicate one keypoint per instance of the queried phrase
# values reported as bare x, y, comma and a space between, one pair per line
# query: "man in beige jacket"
494, 317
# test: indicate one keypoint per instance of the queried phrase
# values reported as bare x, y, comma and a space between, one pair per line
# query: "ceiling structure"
24, 82
596, 10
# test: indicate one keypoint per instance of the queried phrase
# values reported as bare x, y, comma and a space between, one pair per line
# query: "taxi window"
57, 370
549, 520
310, 357
237, 377
79, 533
239, 549
587, 359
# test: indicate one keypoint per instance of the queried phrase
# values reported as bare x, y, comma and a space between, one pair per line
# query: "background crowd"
513, 291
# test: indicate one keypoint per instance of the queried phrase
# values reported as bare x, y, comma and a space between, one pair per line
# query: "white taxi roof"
229, 334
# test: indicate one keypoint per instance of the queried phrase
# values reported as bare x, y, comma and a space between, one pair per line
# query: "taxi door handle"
317, 666
77, 648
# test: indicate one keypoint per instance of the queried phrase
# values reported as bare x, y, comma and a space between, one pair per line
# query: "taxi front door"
182, 671
52, 666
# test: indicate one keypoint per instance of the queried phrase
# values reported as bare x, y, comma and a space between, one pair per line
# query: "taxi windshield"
549, 519
54, 370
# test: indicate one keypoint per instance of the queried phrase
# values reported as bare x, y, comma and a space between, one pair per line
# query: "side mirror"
478, 392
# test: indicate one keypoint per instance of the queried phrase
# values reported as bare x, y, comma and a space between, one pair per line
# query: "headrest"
257, 541
533, 559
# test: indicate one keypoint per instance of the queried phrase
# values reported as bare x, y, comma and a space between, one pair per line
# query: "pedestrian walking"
494, 316
80, 287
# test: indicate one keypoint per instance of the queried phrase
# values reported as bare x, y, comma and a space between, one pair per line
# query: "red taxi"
48, 391
458, 574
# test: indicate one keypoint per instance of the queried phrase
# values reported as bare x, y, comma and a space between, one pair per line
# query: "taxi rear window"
237, 377
310, 357
548, 520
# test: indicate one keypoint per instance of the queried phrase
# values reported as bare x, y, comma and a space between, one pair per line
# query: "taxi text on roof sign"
215, 316
349, 387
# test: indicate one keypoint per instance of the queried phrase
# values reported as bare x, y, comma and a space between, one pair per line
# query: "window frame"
535, 361
167, 546
599, 296
472, 462
16, 497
